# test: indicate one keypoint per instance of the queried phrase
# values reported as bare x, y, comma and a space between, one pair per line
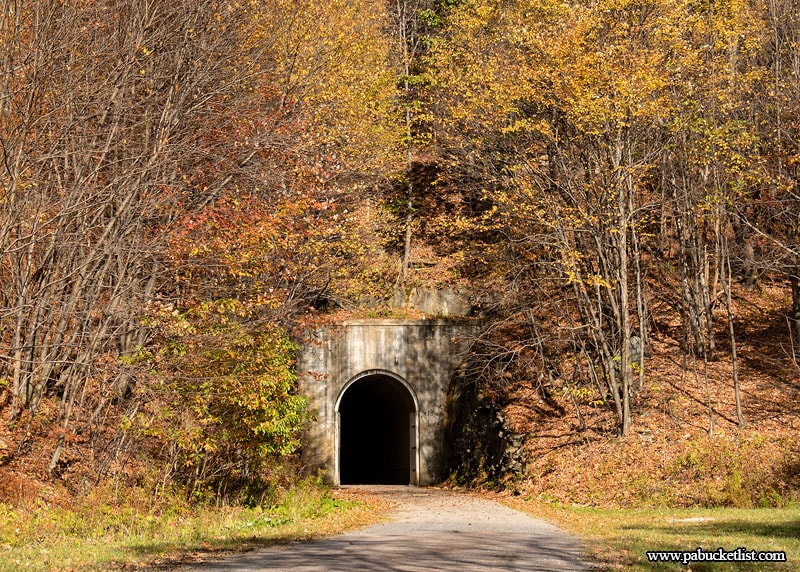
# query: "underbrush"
740, 470
114, 527
745, 472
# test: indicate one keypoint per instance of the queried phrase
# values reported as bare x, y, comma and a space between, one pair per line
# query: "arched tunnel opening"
377, 435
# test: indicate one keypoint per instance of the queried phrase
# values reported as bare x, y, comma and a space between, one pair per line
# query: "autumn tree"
778, 130
410, 21
288, 236
602, 136
98, 109
574, 144
169, 165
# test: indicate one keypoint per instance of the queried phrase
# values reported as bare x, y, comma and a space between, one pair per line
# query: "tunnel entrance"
377, 432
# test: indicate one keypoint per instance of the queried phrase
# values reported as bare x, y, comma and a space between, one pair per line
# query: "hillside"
679, 453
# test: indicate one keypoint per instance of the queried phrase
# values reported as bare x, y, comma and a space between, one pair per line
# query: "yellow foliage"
332, 60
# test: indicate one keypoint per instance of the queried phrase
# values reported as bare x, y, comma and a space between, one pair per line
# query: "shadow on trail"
435, 550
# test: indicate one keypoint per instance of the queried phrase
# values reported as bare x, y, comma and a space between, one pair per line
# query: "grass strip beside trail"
56, 539
618, 539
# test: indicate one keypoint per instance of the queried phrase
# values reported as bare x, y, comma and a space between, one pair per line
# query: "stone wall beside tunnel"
404, 366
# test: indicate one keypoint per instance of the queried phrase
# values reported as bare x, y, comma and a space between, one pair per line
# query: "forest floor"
685, 447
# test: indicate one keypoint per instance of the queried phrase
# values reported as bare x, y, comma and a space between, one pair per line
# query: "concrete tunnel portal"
377, 421
377, 389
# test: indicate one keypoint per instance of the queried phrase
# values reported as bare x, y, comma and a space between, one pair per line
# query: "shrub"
743, 471
224, 404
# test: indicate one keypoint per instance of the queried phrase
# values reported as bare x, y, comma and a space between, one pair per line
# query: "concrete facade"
418, 354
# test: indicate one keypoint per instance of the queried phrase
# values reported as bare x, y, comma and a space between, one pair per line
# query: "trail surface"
428, 530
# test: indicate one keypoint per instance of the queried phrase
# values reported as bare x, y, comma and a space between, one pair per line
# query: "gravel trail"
428, 530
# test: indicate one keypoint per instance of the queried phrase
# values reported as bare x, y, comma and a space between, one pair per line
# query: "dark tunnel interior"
375, 417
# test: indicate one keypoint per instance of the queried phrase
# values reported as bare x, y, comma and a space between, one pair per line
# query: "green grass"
103, 537
618, 539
